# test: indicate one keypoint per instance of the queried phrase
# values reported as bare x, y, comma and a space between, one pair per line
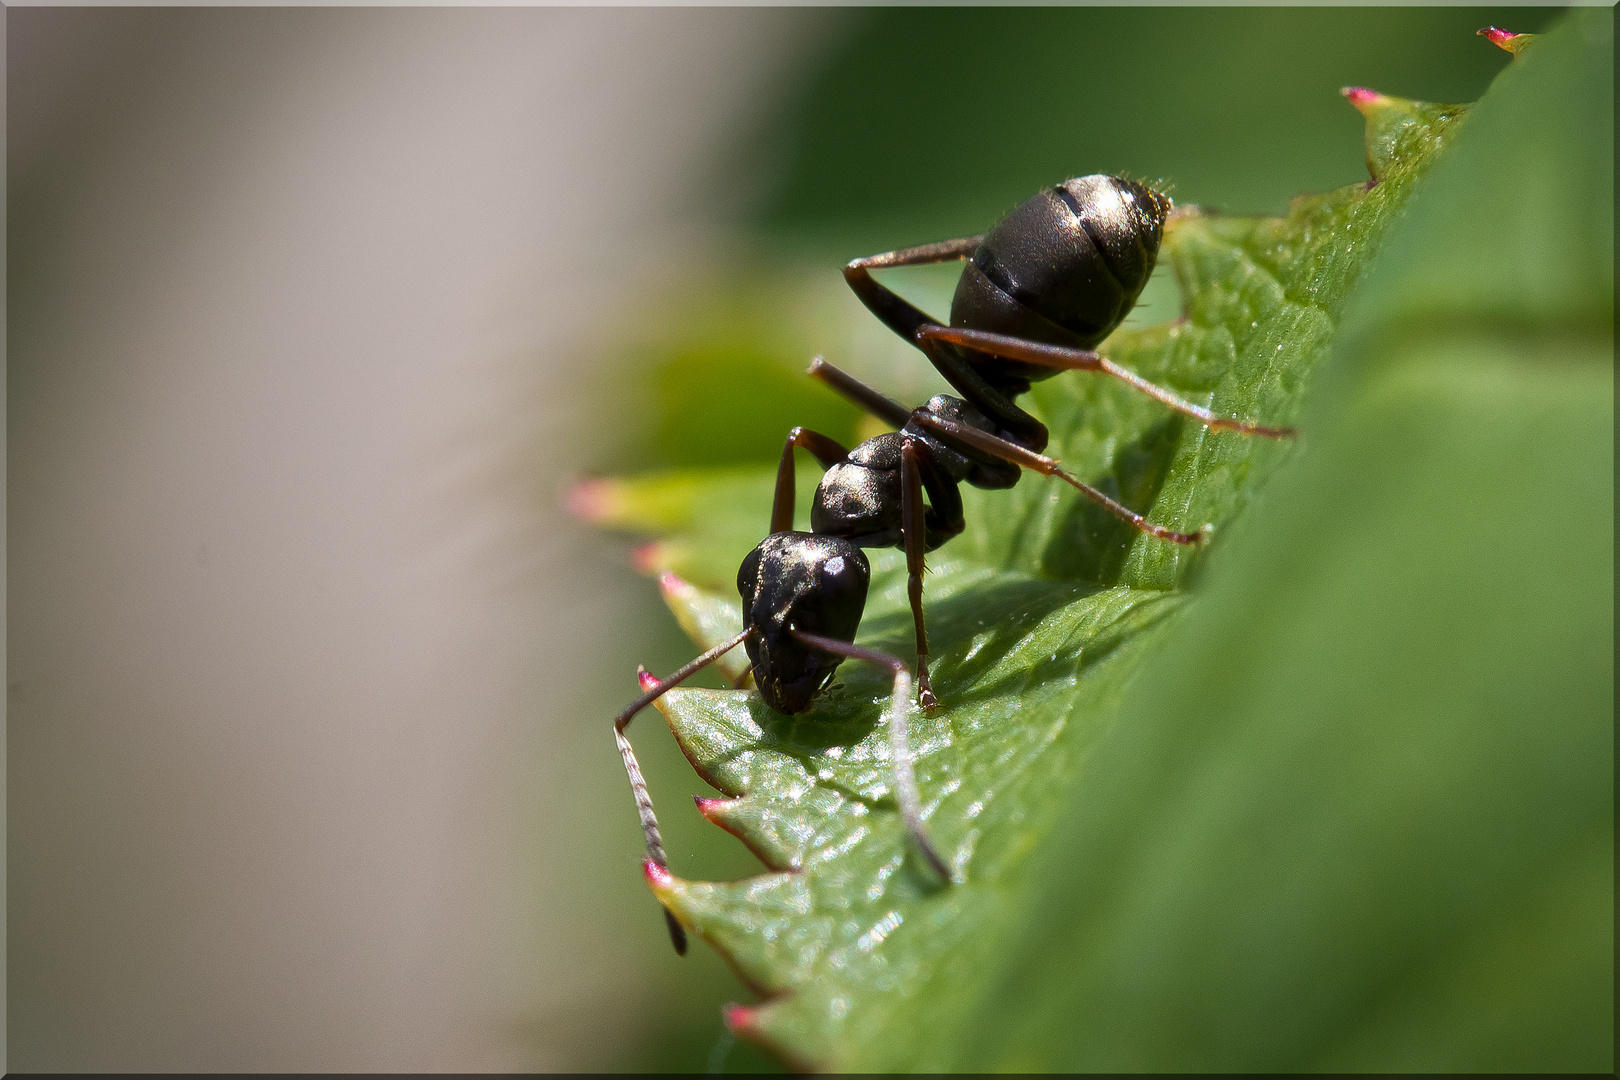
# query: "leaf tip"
1363, 99
674, 588
662, 883
1505, 39
648, 558
742, 1020
731, 815
713, 810
593, 501
1399, 130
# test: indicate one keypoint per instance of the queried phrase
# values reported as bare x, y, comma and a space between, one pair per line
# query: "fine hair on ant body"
1053, 278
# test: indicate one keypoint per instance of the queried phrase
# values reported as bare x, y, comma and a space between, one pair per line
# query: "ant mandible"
1054, 277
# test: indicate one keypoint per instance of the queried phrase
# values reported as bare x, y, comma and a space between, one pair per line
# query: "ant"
1053, 278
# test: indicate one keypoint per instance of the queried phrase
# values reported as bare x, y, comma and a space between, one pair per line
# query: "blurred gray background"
302, 647
313, 314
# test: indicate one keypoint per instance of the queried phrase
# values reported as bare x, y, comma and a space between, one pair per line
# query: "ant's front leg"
828, 451
1059, 356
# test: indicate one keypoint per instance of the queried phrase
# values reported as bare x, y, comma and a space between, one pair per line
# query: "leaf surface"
1361, 817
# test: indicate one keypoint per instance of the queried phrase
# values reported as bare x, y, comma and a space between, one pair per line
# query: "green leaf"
1362, 816
1188, 823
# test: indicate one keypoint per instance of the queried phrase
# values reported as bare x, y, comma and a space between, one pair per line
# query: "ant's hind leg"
905, 777
1058, 356
638, 784
898, 315
914, 324
1046, 466
828, 451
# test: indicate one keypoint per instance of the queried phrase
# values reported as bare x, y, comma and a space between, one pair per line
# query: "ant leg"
905, 779
638, 785
910, 322
859, 394
897, 314
922, 531
897, 415
944, 519
827, 451
1022, 427
988, 400
913, 533
1059, 356
1019, 455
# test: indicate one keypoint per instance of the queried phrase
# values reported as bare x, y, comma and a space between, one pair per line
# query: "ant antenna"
638, 785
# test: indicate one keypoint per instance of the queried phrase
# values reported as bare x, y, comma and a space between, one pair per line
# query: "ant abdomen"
1063, 268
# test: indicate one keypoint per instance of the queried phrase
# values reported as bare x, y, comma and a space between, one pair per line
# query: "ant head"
799, 581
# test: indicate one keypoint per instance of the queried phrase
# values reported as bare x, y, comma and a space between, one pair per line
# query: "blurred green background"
923, 124
919, 125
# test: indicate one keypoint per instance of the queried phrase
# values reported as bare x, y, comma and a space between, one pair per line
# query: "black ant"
1054, 277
